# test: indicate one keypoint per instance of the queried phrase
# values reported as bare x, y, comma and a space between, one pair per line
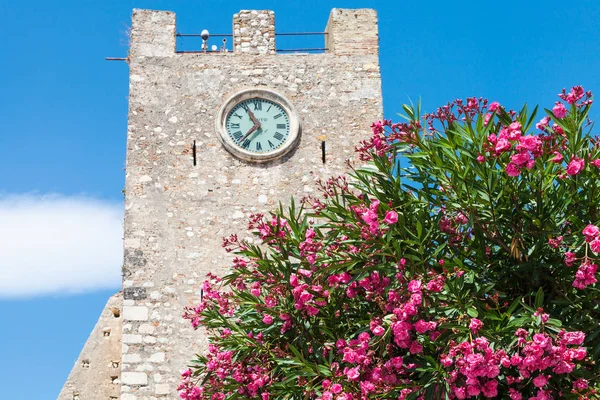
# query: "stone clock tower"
195, 171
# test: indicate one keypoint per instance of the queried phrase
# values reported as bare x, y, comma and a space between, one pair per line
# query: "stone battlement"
348, 32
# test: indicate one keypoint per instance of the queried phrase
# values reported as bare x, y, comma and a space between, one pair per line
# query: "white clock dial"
258, 125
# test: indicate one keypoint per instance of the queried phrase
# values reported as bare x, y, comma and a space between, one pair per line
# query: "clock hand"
253, 118
254, 128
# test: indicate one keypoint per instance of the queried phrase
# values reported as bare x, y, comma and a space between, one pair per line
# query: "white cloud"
59, 245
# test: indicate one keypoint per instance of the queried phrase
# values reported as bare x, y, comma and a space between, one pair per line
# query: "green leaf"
472, 313
539, 298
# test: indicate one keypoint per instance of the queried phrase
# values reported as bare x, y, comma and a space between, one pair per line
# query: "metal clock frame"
232, 147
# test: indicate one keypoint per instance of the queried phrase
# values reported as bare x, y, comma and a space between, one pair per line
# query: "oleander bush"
459, 262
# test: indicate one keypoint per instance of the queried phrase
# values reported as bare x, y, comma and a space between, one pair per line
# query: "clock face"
258, 125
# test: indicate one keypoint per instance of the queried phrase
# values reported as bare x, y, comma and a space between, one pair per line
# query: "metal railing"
204, 48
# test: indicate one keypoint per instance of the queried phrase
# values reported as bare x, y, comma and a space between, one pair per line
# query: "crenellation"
152, 34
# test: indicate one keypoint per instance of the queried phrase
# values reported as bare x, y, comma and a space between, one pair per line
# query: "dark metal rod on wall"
203, 52
211, 35
276, 34
300, 33
321, 49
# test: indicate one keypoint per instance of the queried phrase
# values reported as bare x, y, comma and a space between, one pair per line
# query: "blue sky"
63, 113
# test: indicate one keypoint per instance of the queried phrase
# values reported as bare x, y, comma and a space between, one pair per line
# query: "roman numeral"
277, 116
237, 135
234, 126
269, 108
245, 107
270, 144
246, 143
278, 136
237, 115
281, 126
258, 146
257, 105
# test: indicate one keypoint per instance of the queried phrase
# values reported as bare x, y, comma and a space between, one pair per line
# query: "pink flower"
558, 130
521, 159
543, 123
559, 110
494, 106
569, 258
512, 169
490, 389
515, 126
305, 272
255, 290
378, 330
480, 158
585, 276
445, 360
312, 310
502, 145
460, 392
575, 166
414, 286
421, 326
573, 338
530, 143
575, 95
595, 245
514, 394
591, 231
540, 381
473, 390
475, 325
391, 217
557, 157
580, 384
415, 348
488, 116
555, 242
267, 319
336, 388
352, 374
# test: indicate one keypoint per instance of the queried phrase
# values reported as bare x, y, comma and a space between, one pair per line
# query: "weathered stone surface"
96, 373
135, 313
134, 378
176, 212
353, 32
254, 32
134, 293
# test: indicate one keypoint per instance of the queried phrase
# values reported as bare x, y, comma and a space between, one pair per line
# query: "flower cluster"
541, 358
474, 367
452, 278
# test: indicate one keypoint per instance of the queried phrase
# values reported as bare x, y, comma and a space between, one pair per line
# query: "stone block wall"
96, 374
352, 32
176, 212
254, 32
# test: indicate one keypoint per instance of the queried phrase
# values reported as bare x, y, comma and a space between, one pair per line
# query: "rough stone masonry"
176, 212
